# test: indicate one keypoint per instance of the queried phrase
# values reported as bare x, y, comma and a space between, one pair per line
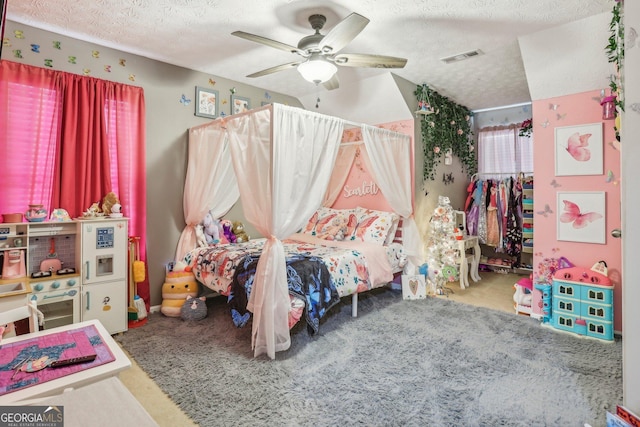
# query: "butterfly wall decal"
545, 123
553, 107
576, 147
184, 100
212, 82
561, 116
577, 219
547, 210
555, 184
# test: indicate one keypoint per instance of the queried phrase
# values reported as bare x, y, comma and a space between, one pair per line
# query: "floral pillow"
374, 226
322, 218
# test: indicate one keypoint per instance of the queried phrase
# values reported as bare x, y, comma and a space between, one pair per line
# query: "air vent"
461, 56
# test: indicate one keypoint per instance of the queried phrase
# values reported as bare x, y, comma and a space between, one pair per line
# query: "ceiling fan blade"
275, 69
345, 31
332, 83
266, 41
371, 61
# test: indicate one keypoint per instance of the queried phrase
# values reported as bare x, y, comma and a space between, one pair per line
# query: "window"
502, 151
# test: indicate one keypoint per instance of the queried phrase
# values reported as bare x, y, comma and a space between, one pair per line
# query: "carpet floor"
431, 362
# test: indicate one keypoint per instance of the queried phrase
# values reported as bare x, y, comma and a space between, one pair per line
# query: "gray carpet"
430, 362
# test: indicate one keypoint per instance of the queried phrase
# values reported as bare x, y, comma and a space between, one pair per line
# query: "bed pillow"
321, 219
374, 226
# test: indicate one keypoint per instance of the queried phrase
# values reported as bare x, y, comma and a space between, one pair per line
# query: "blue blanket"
308, 278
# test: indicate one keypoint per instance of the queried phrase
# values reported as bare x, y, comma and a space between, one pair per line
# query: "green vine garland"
447, 127
615, 52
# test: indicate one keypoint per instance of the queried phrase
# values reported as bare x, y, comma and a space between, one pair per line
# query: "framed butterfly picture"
206, 102
582, 216
579, 150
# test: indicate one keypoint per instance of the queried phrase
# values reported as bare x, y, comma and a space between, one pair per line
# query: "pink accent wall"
573, 110
360, 188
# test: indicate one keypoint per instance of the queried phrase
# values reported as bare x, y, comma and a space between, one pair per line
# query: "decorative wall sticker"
635, 107
107, 68
56, 44
232, 90
583, 216
212, 82
561, 116
546, 212
95, 54
267, 95
630, 40
555, 184
6, 42
447, 178
132, 77
72, 60
224, 101
579, 150
17, 53
122, 62
611, 178
86, 71
545, 123
35, 48
553, 107
184, 100
48, 63
19, 34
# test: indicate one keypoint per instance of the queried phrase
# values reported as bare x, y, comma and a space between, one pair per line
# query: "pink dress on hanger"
493, 229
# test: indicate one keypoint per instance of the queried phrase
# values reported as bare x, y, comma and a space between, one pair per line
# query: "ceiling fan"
319, 52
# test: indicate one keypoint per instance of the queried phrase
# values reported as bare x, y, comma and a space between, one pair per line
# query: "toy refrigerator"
104, 272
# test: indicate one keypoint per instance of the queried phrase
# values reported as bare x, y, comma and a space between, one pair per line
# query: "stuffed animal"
177, 286
238, 230
227, 230
211, 228
193, 308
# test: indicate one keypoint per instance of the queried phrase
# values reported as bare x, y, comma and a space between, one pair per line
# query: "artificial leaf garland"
448, 127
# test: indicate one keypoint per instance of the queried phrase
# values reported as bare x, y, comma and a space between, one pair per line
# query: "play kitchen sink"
13, 294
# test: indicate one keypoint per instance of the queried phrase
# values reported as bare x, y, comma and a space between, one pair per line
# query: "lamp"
317, 69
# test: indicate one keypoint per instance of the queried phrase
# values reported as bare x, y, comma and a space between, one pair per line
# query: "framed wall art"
579, 150
240, 104
206, 102
582, 216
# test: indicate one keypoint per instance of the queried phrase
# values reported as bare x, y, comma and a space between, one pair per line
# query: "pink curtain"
68, 140
29, 121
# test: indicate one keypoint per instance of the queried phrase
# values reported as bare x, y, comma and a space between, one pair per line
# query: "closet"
499, 210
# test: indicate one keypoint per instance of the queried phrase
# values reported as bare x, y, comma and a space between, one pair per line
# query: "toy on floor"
178, 285
522, 296
193, 308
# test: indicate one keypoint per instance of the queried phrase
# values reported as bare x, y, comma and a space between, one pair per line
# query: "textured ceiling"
196, 34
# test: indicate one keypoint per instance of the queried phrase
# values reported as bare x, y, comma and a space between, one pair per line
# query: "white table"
469, 242
75, 380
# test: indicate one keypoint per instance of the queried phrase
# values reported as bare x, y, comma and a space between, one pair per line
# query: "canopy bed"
280, 161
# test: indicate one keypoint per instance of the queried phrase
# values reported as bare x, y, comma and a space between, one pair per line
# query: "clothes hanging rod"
502, 173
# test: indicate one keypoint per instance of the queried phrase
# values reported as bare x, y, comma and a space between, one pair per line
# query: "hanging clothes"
493, 229
513, 244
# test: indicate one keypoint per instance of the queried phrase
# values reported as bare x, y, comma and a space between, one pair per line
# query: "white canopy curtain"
389, 160
283, 157
210, 184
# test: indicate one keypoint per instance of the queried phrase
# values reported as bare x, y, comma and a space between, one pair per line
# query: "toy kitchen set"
76, 270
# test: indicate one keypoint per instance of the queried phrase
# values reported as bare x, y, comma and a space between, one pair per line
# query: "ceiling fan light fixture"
317, 70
